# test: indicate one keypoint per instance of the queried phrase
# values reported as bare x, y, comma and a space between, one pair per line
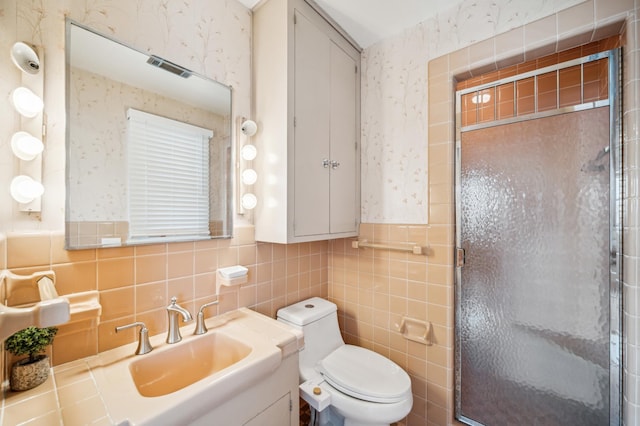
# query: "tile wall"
375, 289
556, 89
137, 283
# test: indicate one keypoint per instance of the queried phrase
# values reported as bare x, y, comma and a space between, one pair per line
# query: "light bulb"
25, 58
24, 189
26, 102
249, 201
481, 99
249, 152
249, 127
25, 146
249, 177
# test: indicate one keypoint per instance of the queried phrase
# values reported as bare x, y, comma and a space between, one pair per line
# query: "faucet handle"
201, 327
144, 345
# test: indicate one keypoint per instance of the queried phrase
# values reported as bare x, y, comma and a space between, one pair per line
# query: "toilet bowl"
365, 388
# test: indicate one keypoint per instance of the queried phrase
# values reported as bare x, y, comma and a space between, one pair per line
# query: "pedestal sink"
163, 372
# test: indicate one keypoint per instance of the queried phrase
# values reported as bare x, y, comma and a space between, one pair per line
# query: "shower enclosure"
538, 257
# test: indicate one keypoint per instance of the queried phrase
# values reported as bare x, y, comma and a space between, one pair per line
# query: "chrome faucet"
144, 346
173, 310
201, 327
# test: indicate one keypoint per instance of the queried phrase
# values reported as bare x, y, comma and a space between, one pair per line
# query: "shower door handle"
459, 257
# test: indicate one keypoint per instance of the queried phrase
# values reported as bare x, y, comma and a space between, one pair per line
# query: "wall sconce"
27, 144
247, 175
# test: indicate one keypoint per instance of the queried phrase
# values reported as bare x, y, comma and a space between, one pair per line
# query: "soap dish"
231, 276
416, 330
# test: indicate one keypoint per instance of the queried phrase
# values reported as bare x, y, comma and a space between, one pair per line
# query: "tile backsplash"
137, 283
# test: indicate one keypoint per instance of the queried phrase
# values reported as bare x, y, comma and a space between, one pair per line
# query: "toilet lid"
365, 375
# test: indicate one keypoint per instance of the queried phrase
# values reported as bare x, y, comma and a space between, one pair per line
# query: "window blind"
168, 166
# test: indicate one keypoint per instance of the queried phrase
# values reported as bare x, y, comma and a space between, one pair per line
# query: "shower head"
595, 165
604, 151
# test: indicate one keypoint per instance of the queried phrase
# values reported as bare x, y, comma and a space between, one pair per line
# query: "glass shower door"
533, 297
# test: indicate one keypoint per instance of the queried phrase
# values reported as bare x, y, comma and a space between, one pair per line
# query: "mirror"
165, 192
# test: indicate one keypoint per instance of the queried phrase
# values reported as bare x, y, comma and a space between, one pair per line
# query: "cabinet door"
277, 414
312, 128
343, 177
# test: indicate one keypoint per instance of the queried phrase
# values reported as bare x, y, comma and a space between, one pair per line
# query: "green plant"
31, 340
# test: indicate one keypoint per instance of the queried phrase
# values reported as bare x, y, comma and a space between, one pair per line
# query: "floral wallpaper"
211, 37
394, 100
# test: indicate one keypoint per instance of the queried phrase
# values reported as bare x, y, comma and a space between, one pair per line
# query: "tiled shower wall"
555, 89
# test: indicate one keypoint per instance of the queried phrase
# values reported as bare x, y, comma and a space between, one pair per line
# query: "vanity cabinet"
273, 401
307, 105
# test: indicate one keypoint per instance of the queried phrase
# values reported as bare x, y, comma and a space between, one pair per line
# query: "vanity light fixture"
27, 143
249, 201
27, 103
249, 127
24, 189
25, 146
247, 175
249, 152
25, 58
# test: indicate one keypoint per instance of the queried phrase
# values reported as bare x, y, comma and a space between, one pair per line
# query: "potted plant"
30, 372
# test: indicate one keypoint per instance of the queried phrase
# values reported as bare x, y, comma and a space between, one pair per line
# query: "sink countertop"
100, 388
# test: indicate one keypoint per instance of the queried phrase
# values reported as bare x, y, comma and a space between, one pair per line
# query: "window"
168, 166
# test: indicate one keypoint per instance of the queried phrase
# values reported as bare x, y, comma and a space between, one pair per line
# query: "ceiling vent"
169, 66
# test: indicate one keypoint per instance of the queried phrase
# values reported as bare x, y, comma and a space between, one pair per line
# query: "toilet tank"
318, 320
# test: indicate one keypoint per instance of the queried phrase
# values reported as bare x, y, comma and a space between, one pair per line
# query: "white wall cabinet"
307, 105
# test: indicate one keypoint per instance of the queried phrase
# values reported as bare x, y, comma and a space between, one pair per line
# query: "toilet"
365, 388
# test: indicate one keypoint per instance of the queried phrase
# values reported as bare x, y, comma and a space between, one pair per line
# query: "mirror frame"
227, 182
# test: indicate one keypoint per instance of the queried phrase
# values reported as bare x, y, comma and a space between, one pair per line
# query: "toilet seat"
365, 375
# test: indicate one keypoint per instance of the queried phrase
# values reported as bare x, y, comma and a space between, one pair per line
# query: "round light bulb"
25, 58
25, 146
249, 177
249, 127
26, 102
249, 201
249, 152
24, 189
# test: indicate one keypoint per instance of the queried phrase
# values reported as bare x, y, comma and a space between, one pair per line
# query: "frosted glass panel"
533, 313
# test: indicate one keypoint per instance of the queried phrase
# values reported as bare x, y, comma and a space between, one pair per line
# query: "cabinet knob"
325, 163
334, 164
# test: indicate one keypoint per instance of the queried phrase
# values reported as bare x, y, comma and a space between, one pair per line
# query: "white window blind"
168, 165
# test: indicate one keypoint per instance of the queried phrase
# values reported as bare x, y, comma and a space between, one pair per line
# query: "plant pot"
27, 375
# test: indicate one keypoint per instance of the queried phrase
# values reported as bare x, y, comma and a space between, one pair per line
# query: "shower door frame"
615, 213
